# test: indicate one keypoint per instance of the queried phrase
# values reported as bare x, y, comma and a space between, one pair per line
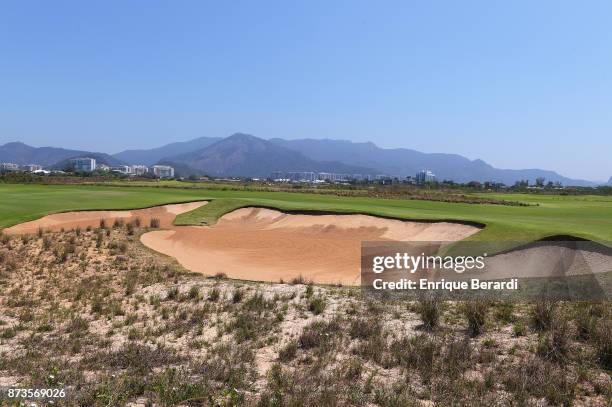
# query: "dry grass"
114, 323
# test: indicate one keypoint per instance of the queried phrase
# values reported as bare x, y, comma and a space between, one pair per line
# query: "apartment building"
163, 171
83, 164
425, 176
139, 170
8, 167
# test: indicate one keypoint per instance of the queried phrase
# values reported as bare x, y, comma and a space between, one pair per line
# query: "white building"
9, 167
138, 170
83, 164
32, 167
163, 171
123, 169
324, 176
425, 176
302, 176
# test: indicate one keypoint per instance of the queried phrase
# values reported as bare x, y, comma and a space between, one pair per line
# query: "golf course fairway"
584, 216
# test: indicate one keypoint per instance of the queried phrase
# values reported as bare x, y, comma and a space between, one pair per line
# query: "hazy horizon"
155, 146
520, 85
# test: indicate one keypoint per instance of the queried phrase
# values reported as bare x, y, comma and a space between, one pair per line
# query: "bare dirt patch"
268, 245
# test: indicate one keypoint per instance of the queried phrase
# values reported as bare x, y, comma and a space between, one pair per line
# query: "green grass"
208, 214
588, 217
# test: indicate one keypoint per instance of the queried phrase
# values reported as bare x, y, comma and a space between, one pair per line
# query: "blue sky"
520, 84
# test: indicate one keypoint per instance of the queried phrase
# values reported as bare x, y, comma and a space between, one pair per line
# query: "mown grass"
587, 217
210, 213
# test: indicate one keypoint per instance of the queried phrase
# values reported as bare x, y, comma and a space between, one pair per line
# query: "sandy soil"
84, 219
268, 245
548, 259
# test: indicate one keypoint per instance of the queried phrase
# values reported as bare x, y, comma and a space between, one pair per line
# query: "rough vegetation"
96, 313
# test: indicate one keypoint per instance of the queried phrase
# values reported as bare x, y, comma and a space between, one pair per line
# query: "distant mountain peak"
246, 155
15, 144
243, 138
154, 155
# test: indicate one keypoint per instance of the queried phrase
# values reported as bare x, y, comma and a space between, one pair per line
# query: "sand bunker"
550, 259
84, 219
268, 245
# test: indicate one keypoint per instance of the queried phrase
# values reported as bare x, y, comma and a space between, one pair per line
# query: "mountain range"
402, 162
245, 155
51, 157
154, 155
250, 156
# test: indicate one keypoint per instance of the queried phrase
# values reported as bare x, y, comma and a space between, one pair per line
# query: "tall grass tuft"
475, 311
542, 314
429, 308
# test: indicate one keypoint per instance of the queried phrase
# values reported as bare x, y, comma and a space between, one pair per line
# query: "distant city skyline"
518, 85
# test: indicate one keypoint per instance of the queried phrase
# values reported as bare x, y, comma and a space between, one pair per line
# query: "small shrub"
8, 333
537, 377
319, 334
586, 321
475, 312
60, 254
46, 242
288, 352
298, 280
429, 308
118, 247
542, 314
99, 239
415, 352
519, 329
77, 327
365, 328
133, 334
194, 292
237, 296
316, 305
554, 344
504, 312
214, 294
172, 293
602, 340
352, 369
154, 223
102, 224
